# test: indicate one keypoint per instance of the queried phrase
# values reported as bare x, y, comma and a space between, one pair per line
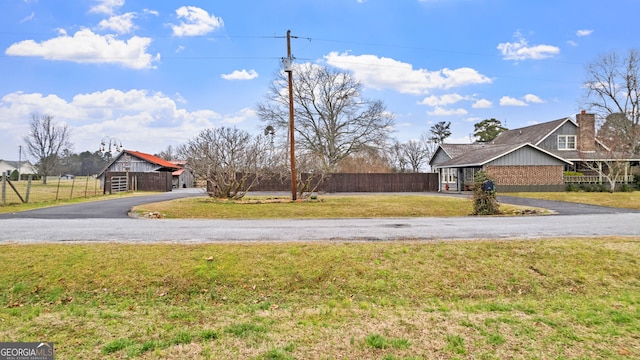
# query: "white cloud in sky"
196, 22
239, 117
584, 32
29, 17
121, 24
442, 100
87, 47
509, 101
522, 51
241, 75
106, 6
151, 12
386, 73
482, 104
530, 98
439, 111
126, 115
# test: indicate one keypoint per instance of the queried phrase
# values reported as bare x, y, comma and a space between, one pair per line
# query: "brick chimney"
586, 132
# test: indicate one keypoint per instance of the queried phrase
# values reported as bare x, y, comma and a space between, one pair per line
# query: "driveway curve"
82, 223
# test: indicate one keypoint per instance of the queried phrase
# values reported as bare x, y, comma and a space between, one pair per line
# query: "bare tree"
332, 119
169, 153
45, 142
413, 154
613, 87
229, 159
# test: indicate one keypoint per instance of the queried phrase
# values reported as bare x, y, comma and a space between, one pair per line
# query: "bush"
572, 187
14, 175
484, 202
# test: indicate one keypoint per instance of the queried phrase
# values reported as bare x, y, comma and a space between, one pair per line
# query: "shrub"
484, 202
14, 175
571, 187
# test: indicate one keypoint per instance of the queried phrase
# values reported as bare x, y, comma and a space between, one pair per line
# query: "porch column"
599, 172
626, 167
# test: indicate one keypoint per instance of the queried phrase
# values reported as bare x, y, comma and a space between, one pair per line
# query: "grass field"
546, 299
543, 299
629, 200
327, 206
56, 189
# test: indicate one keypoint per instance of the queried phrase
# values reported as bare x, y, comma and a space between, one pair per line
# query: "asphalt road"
107, 221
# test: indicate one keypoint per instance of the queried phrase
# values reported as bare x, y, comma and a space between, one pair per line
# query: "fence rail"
33, 191
595, 179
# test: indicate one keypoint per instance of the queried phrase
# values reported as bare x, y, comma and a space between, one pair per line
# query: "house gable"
550, 142
528, 155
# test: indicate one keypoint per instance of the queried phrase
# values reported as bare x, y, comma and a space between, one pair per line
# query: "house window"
566, 142
449, 175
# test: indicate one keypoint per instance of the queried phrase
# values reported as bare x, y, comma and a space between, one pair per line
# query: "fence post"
86, 186
26, 198
58, 189
73, 182
4, 189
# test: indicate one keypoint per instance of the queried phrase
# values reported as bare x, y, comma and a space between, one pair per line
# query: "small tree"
229, 159
45, 142
484, 199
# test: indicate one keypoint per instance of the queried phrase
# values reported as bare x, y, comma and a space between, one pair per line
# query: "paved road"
107, 221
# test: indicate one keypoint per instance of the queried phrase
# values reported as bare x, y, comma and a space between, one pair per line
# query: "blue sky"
155, 73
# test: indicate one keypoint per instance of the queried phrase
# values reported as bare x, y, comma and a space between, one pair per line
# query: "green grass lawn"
629, 200
546, 299
327, 206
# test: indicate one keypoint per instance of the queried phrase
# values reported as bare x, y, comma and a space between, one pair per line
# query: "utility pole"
288, 62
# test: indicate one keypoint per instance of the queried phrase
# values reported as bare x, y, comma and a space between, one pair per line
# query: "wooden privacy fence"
357, 182
137, 181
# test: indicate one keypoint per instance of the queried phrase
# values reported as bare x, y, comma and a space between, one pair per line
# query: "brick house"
531, 158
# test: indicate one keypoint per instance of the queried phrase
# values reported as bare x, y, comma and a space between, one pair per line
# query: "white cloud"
530, 98
438, 111
240, 75
522, 51
121, 24
106, 6
482, 104
584, 32
386, 73
572, 43
239, 117
151, 12
196, 22
28, 18
126, 115
87, 47
442, 100
509, 101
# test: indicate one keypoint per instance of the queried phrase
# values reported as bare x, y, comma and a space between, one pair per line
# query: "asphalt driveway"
119, 208
107, 221
104, 209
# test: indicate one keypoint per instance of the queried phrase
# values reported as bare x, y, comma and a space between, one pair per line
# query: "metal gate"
119, 184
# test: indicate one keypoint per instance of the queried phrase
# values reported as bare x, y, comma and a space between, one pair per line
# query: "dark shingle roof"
480, 154
533, 134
